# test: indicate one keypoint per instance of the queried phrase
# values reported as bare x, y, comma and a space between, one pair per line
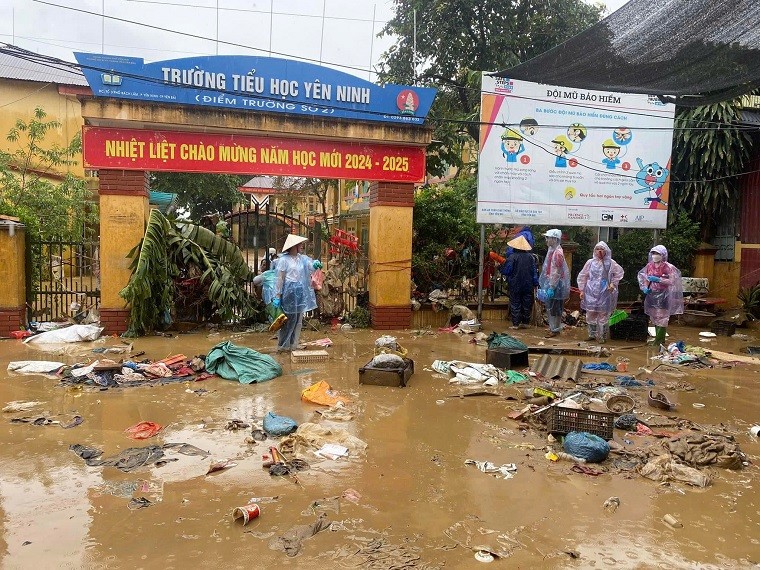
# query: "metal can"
246, 513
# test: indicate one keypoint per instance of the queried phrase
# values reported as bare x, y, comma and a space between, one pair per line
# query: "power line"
58, 64
61, 65
248, 10
199, 37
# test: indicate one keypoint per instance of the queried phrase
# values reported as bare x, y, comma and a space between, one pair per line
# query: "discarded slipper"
586, 470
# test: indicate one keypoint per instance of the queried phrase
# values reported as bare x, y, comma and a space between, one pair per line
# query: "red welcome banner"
173, 151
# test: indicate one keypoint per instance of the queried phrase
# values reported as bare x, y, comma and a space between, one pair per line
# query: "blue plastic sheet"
631, 382
599, 366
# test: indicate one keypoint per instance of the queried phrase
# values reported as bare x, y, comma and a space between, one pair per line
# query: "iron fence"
64, 279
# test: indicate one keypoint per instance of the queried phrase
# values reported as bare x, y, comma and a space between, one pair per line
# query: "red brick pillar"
390, 254
123, 211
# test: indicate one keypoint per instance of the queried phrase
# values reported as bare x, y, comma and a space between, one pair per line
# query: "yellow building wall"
19, 100
725, 282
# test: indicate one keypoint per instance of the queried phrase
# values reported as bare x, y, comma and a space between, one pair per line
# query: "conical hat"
292, 240
519, 243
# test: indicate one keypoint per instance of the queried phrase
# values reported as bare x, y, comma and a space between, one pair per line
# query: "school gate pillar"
123, 212
12, 277
391, 205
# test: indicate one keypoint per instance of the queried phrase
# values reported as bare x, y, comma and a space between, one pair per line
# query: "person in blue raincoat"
293, 291
527, 234
598, 282
521, 274
554, 281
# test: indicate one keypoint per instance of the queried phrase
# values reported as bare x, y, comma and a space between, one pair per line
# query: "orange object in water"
321, 393
143, 430
19, 334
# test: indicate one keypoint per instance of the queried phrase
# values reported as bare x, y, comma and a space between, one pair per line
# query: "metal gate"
63, 279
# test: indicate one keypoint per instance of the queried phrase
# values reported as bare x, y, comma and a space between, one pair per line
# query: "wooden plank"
728, 357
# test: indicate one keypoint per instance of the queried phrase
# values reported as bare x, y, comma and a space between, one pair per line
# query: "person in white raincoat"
661, 284
293, 290
598, 282
554, 281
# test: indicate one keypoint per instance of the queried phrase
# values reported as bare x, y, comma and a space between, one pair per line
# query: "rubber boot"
601, 335
591, 331
659, 338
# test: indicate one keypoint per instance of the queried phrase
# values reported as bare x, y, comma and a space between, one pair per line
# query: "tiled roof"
16, 68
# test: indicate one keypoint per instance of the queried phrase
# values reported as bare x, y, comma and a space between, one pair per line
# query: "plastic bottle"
568, 457
557, 455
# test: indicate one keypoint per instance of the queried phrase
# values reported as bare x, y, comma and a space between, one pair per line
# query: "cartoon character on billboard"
576, 133
651, 177
529, 126
611, 151
561, 147
622, 135
511, 145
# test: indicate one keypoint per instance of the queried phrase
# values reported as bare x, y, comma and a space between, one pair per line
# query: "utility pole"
414, 48
322, 35
372, 42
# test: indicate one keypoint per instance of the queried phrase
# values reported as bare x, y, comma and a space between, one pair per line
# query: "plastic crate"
508, 358
618, 316
633, 328
394, 377
723, 328
564, 420
301, 356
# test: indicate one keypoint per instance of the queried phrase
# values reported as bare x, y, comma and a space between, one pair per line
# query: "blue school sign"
257, 84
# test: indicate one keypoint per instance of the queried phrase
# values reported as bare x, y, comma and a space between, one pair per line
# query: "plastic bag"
317, 278
321, 393
279, 425
276, 317
587, 446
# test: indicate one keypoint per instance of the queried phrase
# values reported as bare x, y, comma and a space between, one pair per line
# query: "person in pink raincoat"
660, 282
598, 282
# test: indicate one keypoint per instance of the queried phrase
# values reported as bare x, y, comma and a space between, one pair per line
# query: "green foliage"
167, 254
682, 238
31, 183
750, 300
200, 194
445, 214
707, 145
456, 39
631, 251
444, 217
360, 318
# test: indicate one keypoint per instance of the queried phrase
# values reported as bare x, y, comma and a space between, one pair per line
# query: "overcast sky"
330, 31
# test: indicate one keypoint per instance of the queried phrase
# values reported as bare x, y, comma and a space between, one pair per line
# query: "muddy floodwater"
409, 501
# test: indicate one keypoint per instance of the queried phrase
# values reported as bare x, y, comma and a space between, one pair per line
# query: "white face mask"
656, 257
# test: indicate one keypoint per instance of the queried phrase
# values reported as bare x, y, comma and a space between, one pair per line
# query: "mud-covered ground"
408, 492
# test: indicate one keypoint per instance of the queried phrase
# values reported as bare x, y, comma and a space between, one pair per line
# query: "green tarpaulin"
241, 363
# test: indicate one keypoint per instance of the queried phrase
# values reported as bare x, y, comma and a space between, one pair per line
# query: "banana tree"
168, 254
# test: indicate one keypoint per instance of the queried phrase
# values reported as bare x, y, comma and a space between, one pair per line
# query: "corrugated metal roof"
16, 68
558, 367
262, 182
750, 117
164, 200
